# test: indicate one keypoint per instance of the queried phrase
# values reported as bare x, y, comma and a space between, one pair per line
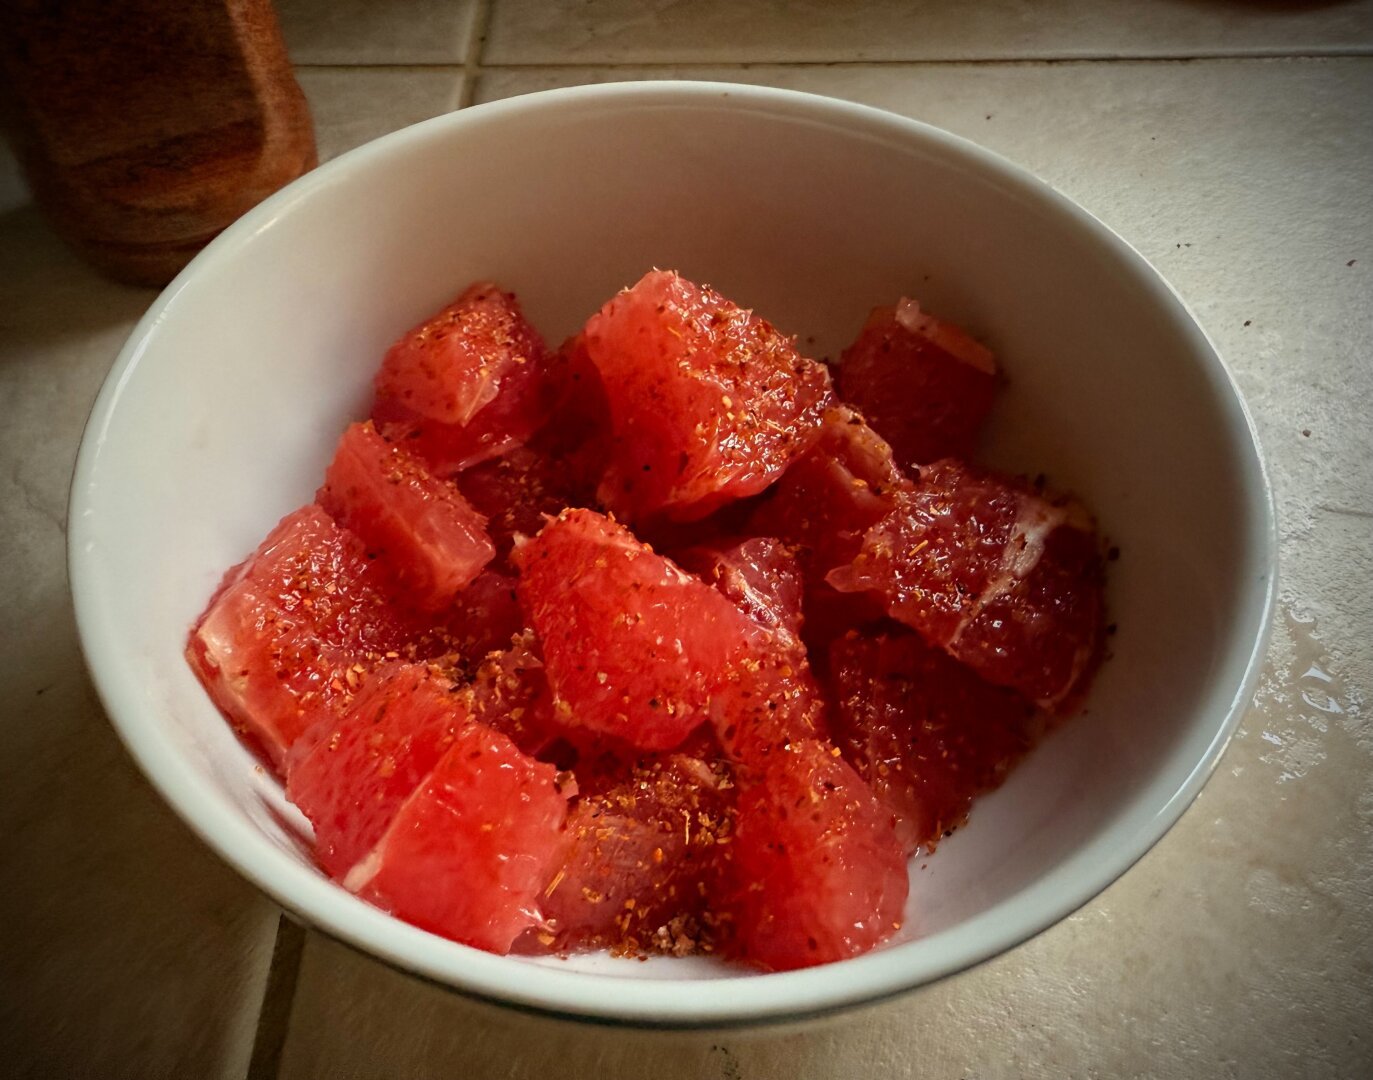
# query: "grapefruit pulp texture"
467, 384
634, 646
1007, 579
291, 630
423, 531
352, 772
708, 402
923, 384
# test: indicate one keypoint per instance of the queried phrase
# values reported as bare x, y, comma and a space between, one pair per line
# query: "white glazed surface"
221, 412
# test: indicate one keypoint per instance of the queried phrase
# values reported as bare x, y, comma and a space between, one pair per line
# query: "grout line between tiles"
473, 65
274, 1017
476, 45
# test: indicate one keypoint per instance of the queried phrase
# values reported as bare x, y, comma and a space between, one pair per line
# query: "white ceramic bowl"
222, 411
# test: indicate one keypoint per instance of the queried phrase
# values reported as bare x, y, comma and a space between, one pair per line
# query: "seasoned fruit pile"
654, 643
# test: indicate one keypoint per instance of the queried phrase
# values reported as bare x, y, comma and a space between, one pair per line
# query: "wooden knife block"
145, 127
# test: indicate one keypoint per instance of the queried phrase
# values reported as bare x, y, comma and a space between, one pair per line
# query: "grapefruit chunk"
1044, 634
484, 616
351, 773
633, 646
642, 860
470, 851
770, 699
760, 575
925, 732
823, 506
1005, 579
818, 873
924, 385
510, 693
426, 534
708, 402
519, 491
467, 385
458, 362
833, 494
290, 630
579, 428
768, 704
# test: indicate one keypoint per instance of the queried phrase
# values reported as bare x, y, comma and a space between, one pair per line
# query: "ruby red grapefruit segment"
519, 491
510, 693
832, 494
470, 851
484, 616
633, 645
289, 632
708, 402
351, 773
923, 730
643, 860
818, 873
457, 362
468, 384
1006, 579
760, 575
426, 534
922, 383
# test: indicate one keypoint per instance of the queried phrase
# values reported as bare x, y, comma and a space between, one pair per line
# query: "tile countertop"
1231, 142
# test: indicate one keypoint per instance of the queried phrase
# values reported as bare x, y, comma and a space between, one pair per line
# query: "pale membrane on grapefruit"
1004, 578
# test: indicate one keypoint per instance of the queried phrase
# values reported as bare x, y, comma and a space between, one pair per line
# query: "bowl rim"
738, 999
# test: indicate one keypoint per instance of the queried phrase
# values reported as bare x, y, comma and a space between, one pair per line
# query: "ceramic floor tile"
725, 31
127, 949
1242, 945
351, 106
377, 31
345, 1025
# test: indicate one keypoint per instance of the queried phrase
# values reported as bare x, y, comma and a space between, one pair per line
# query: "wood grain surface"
145, 127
